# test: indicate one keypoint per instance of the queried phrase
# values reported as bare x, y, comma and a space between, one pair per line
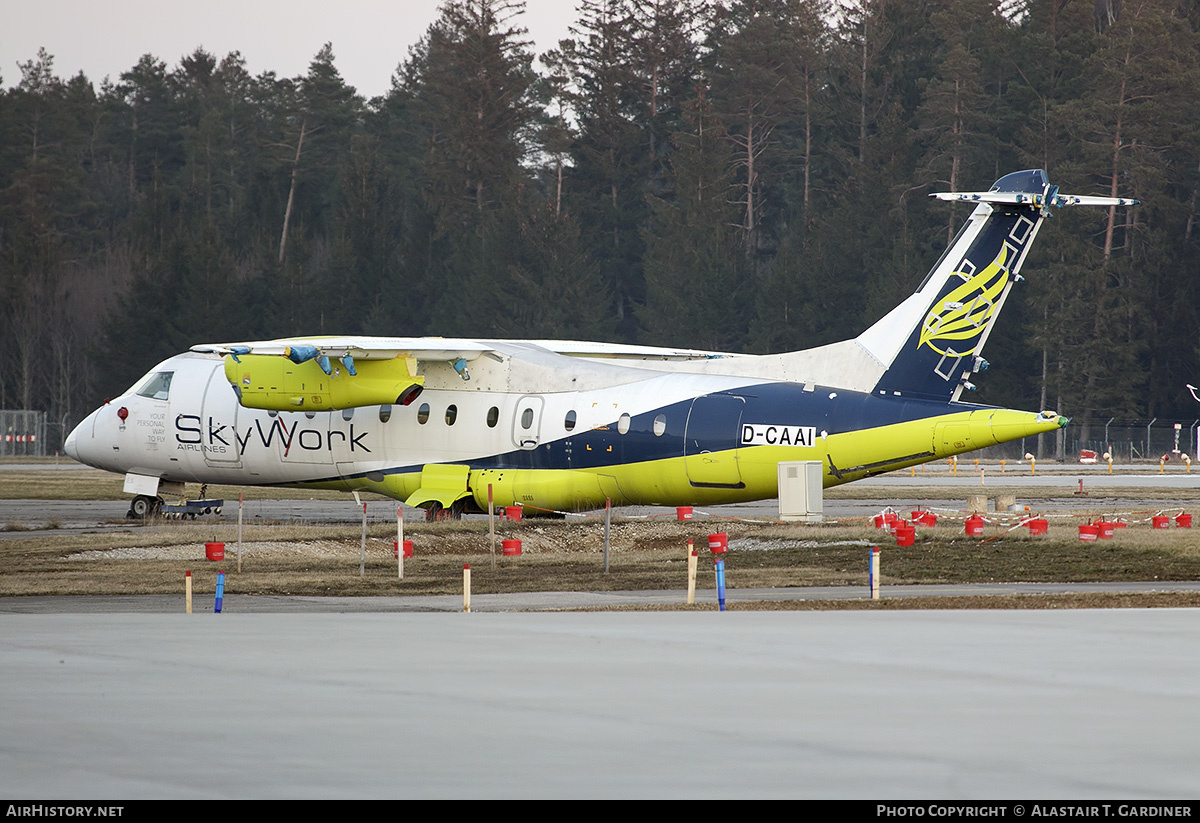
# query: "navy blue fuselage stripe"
765, 403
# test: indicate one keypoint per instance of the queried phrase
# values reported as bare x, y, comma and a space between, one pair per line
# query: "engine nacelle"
264, 381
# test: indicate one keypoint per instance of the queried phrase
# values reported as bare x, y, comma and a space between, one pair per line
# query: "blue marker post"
220, 591
718, 544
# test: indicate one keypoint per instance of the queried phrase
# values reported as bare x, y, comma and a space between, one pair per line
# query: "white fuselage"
200, 433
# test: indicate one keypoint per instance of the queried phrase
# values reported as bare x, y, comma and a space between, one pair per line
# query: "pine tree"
698, 291
953, 118
329, 112
606, 182
755, 79
472, 88
551, 289
1140, 68
666, 63
46, 220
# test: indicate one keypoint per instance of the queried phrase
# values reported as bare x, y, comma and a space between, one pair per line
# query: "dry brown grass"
567, 556
93, 484
301, 559
1115, 600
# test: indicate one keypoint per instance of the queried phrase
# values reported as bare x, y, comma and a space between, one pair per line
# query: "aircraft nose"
71, 446
74, 442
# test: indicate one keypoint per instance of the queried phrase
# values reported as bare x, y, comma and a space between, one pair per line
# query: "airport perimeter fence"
1128, 441
22, 433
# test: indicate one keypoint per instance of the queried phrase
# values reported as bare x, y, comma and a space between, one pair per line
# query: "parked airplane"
563, 425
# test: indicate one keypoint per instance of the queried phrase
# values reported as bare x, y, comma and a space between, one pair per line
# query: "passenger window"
527, 418
423, 414
385, 413
348, 414
451, 414
623, 424
493, 417
158, 387
569, 423
660, 425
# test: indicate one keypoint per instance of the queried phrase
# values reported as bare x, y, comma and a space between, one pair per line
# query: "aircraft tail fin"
931, 343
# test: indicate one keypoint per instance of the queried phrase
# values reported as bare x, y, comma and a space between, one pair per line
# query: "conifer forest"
745, 175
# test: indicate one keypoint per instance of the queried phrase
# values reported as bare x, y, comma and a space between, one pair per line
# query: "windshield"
157, 386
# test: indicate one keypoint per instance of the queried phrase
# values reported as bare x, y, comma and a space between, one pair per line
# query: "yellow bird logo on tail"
964, 313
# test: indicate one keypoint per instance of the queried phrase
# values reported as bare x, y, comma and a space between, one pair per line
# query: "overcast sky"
103, 39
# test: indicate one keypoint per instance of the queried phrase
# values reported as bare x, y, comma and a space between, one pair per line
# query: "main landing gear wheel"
436, 512
144, 506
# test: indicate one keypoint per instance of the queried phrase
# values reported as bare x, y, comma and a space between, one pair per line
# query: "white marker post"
692, 560
492, 523
873, 573
466, 587
187, 589
239, 532
607, 523
362, 558
400, 541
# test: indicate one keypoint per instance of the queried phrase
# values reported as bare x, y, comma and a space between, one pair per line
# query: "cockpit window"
158, 386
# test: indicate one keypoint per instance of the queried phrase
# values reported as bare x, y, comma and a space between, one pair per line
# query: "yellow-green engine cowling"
271, 382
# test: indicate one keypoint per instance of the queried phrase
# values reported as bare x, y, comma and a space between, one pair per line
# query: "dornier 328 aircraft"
562, 425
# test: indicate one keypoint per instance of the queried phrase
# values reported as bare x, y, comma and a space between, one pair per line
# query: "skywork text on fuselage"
771, 434
191, 433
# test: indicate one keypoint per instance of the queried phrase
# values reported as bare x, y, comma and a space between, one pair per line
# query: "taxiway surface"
1070, 704
283, 698
1057, 482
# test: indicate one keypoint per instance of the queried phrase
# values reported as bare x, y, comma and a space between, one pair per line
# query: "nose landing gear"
144, 506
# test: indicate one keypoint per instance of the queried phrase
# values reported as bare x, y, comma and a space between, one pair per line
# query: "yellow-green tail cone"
958, 433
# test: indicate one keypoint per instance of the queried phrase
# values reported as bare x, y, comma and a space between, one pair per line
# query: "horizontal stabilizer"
1035, 200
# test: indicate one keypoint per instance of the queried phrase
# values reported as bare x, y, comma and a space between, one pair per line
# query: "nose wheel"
144, 506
